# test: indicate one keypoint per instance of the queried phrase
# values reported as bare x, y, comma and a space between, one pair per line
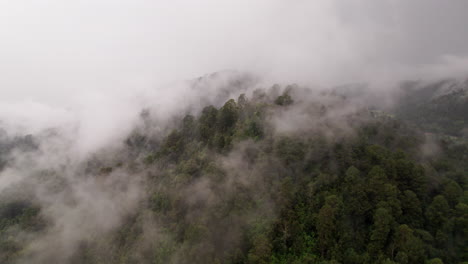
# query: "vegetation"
225, 187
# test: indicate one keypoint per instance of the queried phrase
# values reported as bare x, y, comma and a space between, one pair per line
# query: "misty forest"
234, 132
274, 175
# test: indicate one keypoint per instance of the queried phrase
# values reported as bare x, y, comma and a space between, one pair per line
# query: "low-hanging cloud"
100, 55
67, 48
77, 74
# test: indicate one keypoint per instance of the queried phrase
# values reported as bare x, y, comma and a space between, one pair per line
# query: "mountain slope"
284, 175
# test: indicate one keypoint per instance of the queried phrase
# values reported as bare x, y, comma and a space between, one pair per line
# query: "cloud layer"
54, 50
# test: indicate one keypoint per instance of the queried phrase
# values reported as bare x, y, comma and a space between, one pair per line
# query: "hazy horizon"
55, 52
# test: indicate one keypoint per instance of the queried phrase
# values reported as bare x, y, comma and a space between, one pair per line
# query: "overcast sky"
53, 49
98, 55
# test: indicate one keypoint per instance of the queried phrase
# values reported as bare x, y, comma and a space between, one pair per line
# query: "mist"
116, 46
58, 60
80, 80
72, 57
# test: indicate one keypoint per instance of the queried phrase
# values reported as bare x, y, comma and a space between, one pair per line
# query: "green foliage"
207, 123
412, 210
227, 116
261, 250
327, 224
366, 199
383, 222
290, 150
284, 99
16, 214
223, 187
160, 202
435, 261
437, 212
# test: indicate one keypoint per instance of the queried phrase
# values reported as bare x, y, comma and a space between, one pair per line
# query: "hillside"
440, 107
277, 175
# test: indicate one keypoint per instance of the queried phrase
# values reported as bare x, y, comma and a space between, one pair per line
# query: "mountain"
440, 107
278, 175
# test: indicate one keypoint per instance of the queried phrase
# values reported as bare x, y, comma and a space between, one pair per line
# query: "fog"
77, 75
54, 51
90, 59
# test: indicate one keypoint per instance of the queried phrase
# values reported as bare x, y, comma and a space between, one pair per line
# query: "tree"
352, 175
227, 116
411, 208
452, 191
290, 150
409, 176
461, 227
206, 123
327, 224
437, 212
435, 261
382, 226
284, 99
173, 145
390, 198
377, 180
188, 126
261, 250
407, 246
242, 101
357, 210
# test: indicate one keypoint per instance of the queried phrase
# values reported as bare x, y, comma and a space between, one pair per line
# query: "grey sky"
88, 61
52, 49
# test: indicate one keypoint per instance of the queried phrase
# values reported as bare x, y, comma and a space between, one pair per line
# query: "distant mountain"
440, 107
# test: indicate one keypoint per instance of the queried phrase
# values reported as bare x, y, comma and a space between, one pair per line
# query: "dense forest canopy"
278, 175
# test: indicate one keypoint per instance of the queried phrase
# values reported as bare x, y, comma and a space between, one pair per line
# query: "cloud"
93, 58
85, 69
52, 50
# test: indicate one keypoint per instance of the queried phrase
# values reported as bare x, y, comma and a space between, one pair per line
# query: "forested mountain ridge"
281, 175
440, 107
